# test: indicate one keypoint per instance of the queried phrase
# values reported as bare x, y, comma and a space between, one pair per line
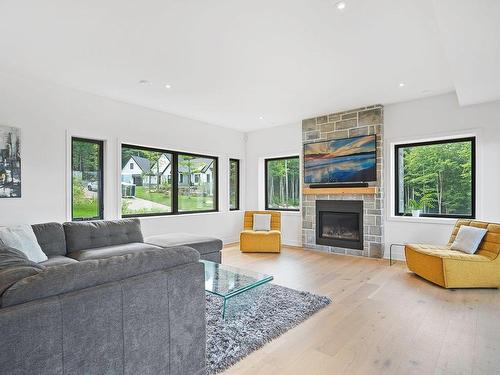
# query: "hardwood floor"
382, 320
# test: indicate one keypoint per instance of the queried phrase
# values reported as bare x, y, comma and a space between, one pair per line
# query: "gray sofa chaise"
104, 302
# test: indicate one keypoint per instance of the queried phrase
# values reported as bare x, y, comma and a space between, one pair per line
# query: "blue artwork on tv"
341, 160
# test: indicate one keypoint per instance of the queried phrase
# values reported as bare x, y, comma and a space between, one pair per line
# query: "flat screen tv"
341, 160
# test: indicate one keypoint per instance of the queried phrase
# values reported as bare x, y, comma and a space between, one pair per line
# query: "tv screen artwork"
341, 160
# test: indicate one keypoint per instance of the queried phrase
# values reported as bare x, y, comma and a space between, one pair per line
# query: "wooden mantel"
340, 190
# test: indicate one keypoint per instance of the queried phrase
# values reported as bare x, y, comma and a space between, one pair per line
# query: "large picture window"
282, 183
234, 184
86, 179
437, 178
161, 182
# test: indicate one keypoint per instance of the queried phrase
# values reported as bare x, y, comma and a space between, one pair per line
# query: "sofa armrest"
66, 278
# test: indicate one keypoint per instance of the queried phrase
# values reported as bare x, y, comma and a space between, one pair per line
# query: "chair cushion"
111, 251
57, 260
444, 251
93, 234
202, 244
261, 233
66, 278
50, 237
262, 222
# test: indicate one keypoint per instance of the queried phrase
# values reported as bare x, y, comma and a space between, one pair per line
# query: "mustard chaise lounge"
455, 269
261, 241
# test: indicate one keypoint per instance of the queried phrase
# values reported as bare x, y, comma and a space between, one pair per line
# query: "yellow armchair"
259, 241
455, 269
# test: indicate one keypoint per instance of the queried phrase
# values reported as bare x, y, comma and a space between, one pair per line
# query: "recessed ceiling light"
167, 86
261, 117
341, 5
145, 82
401, 84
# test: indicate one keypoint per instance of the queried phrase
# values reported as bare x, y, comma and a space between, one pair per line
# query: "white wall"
420, 119
272, 142
47, 115
436, 117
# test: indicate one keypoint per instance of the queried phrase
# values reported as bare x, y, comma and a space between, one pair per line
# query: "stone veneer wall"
356, 122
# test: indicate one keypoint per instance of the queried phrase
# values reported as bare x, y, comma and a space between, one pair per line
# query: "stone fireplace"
345, 220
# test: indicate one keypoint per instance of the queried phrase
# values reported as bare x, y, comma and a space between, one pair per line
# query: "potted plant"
415, 207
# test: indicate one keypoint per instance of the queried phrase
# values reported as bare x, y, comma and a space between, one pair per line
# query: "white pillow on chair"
468, 239
262, 222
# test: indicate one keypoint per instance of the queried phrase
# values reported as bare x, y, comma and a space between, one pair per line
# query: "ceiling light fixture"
261, 117
401, 84
341, 5
167, 86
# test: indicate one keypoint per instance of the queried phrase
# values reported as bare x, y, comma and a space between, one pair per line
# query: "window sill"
174, 216
422, 220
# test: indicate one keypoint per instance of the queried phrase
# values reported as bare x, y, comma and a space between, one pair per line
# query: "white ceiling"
231, 61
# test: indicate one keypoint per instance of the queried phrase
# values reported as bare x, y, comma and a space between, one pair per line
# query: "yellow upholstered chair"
261, 241
455, 269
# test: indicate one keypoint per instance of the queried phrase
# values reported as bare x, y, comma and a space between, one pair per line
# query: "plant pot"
415, 213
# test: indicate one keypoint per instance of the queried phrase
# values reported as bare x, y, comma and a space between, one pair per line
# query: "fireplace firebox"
339, 223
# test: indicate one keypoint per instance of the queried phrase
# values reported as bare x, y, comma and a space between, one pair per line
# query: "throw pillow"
23, 238
262, 222
468, 239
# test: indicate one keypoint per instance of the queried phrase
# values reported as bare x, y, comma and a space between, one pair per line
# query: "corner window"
164, 182
86, 179
282, 184
436, 178
234, 184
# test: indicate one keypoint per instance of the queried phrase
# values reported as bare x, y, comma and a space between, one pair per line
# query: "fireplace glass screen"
339, 226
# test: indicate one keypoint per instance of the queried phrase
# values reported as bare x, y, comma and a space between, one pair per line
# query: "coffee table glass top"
226, 281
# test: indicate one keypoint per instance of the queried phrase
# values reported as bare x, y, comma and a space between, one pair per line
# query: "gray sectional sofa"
105, 302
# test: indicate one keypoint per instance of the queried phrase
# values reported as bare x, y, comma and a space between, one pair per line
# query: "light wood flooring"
382, 320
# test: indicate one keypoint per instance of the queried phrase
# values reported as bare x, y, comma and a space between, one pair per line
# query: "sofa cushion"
56, 280
50, 237
57, 260
202, 244
111, 251
14, 266
93, 234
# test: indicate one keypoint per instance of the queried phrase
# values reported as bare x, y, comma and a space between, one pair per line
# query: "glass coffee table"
227, 281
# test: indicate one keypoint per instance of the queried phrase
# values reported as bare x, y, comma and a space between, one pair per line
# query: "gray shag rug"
264, 314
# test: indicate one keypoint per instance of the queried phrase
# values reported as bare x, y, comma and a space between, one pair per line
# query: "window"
234, 184
437, 178
197, 192
165, 182
282, 184
87, 179
146, 185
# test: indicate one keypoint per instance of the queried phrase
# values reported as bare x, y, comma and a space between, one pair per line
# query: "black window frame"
397, 147
237, 161
100, 193
266, 161
175, 187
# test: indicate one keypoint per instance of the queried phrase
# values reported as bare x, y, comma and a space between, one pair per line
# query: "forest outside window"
234, 184
437, 178
86, 179
282, 183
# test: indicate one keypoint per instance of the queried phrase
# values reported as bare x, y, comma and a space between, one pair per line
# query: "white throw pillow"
22, 238
468, 239
262, 222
